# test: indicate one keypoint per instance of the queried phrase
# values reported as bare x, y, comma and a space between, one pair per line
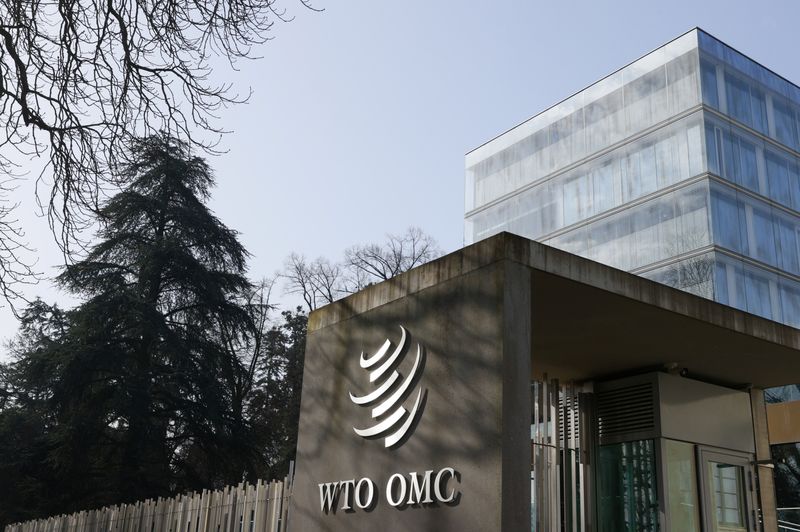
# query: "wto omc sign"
394, 424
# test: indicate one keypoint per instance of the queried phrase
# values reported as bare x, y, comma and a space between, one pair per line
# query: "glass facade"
684, 513
683, 167
787, 483
627, 498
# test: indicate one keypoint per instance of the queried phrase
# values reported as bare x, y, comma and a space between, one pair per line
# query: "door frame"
745, 460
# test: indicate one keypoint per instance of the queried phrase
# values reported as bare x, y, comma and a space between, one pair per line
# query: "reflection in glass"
682, 485
644, 94
787, 477
754, 96
727, 497
626, 488
602, 174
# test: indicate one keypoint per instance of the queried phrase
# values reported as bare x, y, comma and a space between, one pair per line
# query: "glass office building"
682, 167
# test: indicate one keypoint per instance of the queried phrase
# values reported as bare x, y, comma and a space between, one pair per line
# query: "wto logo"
391, 393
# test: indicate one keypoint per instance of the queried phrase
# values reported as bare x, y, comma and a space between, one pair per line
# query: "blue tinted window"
785, 127
778, 177
794, 185
749, 167
729, 284
758, 103
790, 301
787, 239
738, 96
758, 295
764, 236
708, 80
725, 216
713, 148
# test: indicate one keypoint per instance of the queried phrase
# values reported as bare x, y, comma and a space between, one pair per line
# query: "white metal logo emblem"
391, 393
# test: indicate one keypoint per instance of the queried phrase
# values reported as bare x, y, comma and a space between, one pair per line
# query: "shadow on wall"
459, 323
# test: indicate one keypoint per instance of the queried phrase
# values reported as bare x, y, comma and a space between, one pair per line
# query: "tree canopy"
80, 79
140, 390
171, 374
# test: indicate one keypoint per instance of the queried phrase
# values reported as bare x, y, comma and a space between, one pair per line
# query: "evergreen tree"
274, 403
145, 391
25, 418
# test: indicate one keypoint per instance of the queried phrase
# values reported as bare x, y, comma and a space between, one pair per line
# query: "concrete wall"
705, 414
475, 331
482, 314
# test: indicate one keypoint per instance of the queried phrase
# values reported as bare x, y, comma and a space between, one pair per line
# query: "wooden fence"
259, 507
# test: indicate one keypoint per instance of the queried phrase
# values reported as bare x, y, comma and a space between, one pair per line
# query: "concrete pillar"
766, 479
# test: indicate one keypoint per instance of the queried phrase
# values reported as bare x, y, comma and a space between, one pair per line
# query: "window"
727, 495
682, 487
778, 177
626, 488
577, 199
760, 234
603, 185
748, 166
787, 240
725, 218
757, 288
758, 103
709, 81
729, 282
785, 127
738, 95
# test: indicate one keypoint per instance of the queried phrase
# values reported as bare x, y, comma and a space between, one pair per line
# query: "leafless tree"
398, 254
78, 78
321, 282
355, 279
259, 303
16, 268
299, 279
327, 279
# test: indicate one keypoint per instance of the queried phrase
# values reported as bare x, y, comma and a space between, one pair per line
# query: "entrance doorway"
726, 485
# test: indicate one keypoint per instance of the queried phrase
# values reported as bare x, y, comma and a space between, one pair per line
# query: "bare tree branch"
79, 78
298, 275
398, 254
326, 278
322, 282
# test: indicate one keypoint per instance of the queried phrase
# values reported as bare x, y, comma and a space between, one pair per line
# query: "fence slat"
258, 507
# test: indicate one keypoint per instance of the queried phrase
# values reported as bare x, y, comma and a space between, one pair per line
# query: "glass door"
727, 486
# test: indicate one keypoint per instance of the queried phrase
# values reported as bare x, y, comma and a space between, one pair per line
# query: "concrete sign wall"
415, 413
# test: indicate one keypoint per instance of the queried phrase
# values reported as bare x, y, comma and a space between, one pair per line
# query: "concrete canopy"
592, 321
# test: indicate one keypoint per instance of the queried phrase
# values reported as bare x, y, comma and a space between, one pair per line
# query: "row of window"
752, 163
753, 228
694, 217
661, 228
733, 282
661, 159
750, 103
635, 105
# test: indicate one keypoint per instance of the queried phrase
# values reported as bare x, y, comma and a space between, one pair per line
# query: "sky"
361, 114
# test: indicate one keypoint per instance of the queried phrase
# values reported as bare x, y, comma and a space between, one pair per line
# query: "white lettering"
441, 482
416, 489
327, 495
361, 503
390, 492
401, 490
347, 503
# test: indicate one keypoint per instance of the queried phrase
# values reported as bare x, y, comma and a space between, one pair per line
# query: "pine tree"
274, 402
146, 390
